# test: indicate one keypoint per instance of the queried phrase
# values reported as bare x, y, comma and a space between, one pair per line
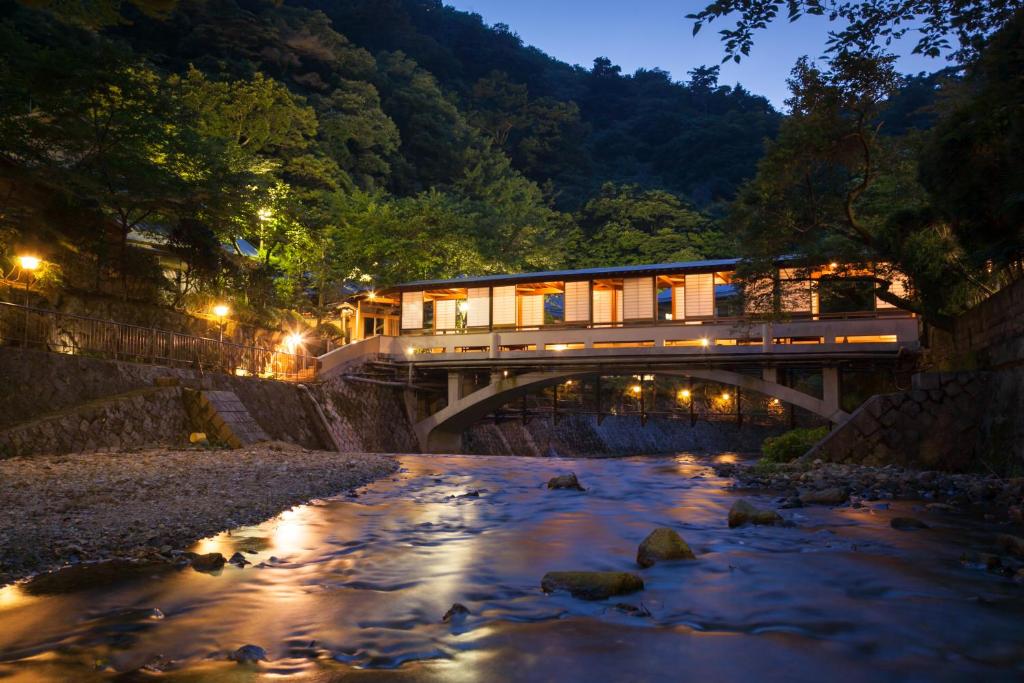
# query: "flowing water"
355, 588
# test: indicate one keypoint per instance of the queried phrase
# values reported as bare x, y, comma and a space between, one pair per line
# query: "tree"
866, 24
831, 188
971, 162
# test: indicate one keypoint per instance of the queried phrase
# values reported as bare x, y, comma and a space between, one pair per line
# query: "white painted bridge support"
442, 431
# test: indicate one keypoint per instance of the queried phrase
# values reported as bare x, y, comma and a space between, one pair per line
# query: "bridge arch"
442, 431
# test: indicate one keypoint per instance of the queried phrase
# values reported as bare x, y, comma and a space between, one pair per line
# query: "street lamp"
221, 311
28, 264
294, 341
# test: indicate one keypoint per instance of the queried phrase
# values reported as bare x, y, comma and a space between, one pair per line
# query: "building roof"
579, 274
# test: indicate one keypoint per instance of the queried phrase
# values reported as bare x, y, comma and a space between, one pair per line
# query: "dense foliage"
790, 445
351, 142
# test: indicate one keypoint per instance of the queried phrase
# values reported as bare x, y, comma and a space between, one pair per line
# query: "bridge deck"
733, 341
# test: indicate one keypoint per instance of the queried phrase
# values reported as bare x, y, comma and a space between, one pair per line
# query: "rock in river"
248, 653
565, 481
210, 562
832, 496
592, 585
743, 512
662, 544
457, 613
907, 523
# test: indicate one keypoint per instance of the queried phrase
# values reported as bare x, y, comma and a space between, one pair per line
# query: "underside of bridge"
475, 393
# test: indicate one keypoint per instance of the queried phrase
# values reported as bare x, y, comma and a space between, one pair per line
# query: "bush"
791, 445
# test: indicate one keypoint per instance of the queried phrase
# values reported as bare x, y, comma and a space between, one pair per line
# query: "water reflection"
357, 587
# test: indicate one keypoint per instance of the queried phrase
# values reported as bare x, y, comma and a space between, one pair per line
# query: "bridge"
494, 339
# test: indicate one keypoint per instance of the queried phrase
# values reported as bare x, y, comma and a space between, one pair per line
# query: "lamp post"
29, 265
221, 311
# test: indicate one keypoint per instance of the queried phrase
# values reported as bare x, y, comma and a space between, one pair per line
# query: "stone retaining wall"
34, 384
366, 417
616, 435
938, 425
140, 419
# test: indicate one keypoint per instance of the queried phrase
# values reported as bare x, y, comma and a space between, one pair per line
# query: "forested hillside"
352, 141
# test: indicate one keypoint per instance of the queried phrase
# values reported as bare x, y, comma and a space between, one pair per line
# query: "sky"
656, 33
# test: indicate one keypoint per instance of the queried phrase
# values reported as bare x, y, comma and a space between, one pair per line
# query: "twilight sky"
650, 33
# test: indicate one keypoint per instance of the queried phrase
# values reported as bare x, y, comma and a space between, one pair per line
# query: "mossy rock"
743, 512
832, 496
592, 585
662, 544
565, 481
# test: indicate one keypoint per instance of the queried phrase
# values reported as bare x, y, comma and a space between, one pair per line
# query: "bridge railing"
58, 332
739, 337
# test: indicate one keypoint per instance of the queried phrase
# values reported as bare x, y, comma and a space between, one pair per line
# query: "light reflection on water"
356, 588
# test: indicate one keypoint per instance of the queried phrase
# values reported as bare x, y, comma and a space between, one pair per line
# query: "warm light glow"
241, 372
833, 265
558, 347
221, 311
265, 214
684, 393
29, 262
371, 295
294, 341
504, 373
636, 389
568, 382
463, 306
774, 402
410, 350
726, 396
704, 341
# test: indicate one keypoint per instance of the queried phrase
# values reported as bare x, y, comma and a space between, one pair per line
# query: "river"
354, 588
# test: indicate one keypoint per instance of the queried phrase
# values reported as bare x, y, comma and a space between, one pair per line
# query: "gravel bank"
64, 509
999, 498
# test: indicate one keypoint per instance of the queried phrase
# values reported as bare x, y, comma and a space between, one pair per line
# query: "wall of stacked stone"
34, 384
141, 419
366, 417
616, 435
939, 424
988, 336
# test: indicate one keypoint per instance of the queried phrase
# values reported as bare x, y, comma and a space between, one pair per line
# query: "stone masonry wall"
938, 424
616, 435
140, 419
989, 336
366, 417
34, 384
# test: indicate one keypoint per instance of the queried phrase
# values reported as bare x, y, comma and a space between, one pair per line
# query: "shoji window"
444, 314
577, 302
479, 314
638, 298
604, 305
412, 310
531, 310
505, 305
679, 303
700, 295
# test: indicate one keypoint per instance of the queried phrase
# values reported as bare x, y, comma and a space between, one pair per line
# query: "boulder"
907, 523
238, 560
210, 562
832, 496
662, 544
592, 585
565, 481
457, 613
743, 512
248, 653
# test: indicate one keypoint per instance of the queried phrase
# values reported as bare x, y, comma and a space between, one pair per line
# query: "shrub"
791, 445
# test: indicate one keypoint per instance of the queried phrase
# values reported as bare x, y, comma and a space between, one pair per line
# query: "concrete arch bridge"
474, 375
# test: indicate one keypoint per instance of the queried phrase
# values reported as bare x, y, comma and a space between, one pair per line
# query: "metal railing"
49, 330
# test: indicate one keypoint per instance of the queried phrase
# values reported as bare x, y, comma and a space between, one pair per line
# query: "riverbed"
355, 588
